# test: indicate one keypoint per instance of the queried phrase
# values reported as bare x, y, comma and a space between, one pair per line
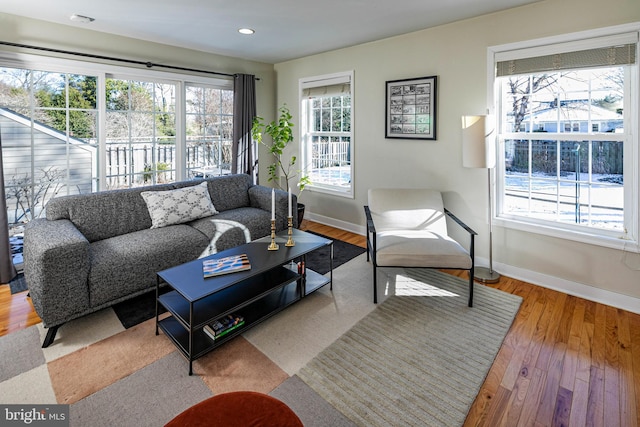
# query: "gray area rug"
419, 358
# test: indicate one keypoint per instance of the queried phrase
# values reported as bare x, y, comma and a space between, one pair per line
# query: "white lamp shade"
478, 142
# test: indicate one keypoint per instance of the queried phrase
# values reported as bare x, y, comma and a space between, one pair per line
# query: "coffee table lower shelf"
254, 312
314, 281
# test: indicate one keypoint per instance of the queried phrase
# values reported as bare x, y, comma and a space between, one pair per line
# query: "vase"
300, 213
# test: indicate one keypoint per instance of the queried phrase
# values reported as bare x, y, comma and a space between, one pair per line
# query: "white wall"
457, 54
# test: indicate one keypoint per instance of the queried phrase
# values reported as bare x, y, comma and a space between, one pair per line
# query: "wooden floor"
566, 361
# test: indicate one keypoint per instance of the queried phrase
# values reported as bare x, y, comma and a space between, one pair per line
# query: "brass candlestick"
290, 241
273, 246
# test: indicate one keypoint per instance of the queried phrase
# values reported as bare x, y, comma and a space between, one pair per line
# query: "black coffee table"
272, 284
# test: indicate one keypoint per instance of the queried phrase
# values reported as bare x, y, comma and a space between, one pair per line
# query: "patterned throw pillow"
178, 206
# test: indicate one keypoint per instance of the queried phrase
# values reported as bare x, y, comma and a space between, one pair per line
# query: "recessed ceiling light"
246, 31
81, 18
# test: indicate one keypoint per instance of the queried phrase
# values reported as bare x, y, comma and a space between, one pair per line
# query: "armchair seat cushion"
419, 248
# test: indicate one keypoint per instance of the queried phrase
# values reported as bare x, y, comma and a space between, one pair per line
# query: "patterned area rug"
109, 375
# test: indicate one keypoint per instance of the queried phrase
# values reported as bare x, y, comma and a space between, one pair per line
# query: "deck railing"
141, 164
127, 165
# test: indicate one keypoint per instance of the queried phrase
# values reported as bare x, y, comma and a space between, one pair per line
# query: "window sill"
347, 192
612, 242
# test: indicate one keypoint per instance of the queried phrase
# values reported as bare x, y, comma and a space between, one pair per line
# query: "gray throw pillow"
178, 206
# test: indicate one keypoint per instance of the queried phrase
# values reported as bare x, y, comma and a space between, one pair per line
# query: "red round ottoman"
238, 409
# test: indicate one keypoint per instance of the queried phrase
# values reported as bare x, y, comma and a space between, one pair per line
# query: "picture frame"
411, 106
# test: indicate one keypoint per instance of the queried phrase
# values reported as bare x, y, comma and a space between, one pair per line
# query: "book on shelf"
226, 265
221, 327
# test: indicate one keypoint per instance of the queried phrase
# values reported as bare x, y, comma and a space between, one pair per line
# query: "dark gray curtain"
244, 152
7, 270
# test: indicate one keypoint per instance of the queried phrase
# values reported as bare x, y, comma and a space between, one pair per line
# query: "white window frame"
104, 71
305, 146
179, 151
629, 240
218, 170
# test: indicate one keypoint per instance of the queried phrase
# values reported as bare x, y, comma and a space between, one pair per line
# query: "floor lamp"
478, 151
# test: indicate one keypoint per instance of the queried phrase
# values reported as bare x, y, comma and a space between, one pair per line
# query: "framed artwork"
411, 108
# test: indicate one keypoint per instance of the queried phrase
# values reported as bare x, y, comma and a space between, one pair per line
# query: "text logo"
34, 415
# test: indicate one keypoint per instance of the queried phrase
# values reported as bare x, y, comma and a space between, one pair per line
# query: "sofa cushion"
178, 206
112, 213
234, 227
104, 214
230, 191
126, 264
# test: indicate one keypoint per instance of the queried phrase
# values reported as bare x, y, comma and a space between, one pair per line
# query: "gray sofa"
94, 250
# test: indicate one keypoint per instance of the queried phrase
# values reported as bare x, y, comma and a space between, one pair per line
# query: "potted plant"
281, 133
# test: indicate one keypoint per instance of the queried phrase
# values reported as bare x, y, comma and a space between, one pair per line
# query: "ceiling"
284, 29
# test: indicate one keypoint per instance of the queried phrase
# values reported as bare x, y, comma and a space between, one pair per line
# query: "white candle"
273, 204
290, 201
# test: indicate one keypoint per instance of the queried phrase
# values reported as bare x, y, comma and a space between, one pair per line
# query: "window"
72, 127
48, 125
209, 130
327, 136
568, 118
141, 133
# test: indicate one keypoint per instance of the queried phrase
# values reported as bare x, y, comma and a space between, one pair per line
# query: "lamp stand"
484, 274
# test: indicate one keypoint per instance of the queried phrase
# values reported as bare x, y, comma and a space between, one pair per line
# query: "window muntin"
49, 124
549, 177
326, 105
330, 141
209, 128
141, 129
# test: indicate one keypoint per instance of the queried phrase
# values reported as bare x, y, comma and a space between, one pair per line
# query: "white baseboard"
342, 225
581, 290
587, 292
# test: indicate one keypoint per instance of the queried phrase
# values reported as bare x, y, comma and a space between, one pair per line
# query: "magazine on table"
226, 265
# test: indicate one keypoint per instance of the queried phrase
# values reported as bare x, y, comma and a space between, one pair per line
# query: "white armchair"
408, 228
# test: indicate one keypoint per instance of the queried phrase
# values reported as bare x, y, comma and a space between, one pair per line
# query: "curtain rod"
110, 58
